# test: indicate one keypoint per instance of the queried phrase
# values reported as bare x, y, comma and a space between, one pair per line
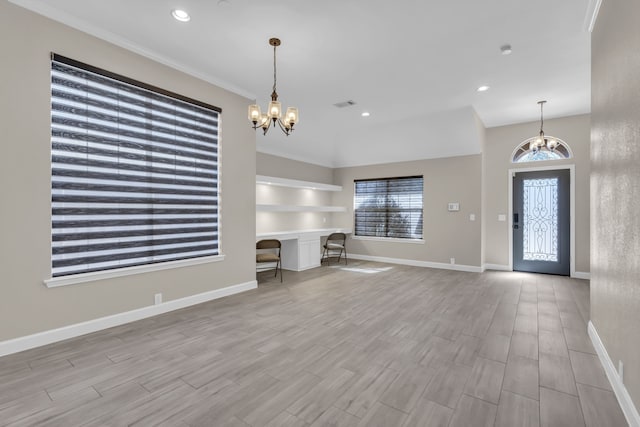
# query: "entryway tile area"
371, 345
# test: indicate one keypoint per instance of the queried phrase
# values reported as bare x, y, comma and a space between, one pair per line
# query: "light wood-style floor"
367, 345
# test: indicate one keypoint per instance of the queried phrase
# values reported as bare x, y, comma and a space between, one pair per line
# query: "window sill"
127, 271
390, 239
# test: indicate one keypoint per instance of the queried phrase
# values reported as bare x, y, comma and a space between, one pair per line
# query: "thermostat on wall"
454, 207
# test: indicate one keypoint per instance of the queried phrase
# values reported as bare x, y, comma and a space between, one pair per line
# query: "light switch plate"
453, 207
502, 217
472, 217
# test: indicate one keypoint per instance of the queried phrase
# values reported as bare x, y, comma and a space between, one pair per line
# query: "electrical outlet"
472, 217
157, 299
453, 261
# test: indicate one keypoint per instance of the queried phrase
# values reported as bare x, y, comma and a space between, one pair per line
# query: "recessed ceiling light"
483, 88
365, 114
506, 49
180, 15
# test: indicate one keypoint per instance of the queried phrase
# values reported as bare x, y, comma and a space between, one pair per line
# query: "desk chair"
336, 243
268, 253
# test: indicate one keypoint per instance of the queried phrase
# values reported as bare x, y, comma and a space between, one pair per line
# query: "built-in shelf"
291, 208
294, 183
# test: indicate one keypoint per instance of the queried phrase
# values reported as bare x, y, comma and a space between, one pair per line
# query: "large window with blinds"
389, 207
134, 172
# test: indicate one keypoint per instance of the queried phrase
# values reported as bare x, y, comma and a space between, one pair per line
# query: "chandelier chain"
274, 69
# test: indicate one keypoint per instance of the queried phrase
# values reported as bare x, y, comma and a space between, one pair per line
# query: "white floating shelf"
291, 208
294, 183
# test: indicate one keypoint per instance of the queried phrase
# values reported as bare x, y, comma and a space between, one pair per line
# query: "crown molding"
593, 7
65, 18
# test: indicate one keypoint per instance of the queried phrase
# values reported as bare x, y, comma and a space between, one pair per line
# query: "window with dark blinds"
134, 172
389, 207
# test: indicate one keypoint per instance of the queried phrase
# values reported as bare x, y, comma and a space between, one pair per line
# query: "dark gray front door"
541, 221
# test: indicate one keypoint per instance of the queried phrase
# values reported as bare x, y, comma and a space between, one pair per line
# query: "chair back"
341, 237
268, 244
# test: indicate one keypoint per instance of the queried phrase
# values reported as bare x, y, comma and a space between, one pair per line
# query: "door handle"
515, 221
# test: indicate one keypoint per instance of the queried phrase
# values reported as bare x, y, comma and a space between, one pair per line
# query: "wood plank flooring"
366, 344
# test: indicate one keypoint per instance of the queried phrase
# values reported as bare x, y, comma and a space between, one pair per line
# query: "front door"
541, 233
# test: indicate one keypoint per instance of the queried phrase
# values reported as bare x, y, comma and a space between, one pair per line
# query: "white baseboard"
302, 269
54, 335
497, 267
628, 408
581, 275
416, 263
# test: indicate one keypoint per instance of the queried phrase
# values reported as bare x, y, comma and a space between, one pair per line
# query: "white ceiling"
413, 64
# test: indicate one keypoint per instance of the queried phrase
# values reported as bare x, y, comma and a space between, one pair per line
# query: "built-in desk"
301, 249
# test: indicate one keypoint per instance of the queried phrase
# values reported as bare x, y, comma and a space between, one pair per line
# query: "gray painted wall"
615, 186
26, 305
446, 234
500, 144
270, 165
480, 185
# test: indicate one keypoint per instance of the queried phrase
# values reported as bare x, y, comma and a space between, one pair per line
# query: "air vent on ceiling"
343, 104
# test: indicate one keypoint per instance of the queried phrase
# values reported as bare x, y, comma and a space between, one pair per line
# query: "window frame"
212, 186
419, 240
523, 149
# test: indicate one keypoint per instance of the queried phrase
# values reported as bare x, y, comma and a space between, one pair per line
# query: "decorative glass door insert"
540, 220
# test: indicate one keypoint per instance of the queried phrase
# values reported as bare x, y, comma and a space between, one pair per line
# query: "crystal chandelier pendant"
273, 115
541, 142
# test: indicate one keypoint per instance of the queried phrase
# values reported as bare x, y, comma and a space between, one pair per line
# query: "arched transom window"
528, 152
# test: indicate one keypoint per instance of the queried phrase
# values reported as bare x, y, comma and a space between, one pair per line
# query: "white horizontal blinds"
389, 207
134, 173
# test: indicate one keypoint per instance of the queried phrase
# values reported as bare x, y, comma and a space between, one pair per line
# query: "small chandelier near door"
274, 112
542, 142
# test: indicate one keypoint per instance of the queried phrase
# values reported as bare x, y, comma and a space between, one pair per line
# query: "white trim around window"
127, 271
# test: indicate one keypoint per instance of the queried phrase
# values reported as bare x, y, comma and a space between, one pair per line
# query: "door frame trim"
572, 209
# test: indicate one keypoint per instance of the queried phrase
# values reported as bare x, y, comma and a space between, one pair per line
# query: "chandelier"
274, 112
542, 142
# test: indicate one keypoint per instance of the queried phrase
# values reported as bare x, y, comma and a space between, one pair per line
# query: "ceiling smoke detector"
506, 49
344, 104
